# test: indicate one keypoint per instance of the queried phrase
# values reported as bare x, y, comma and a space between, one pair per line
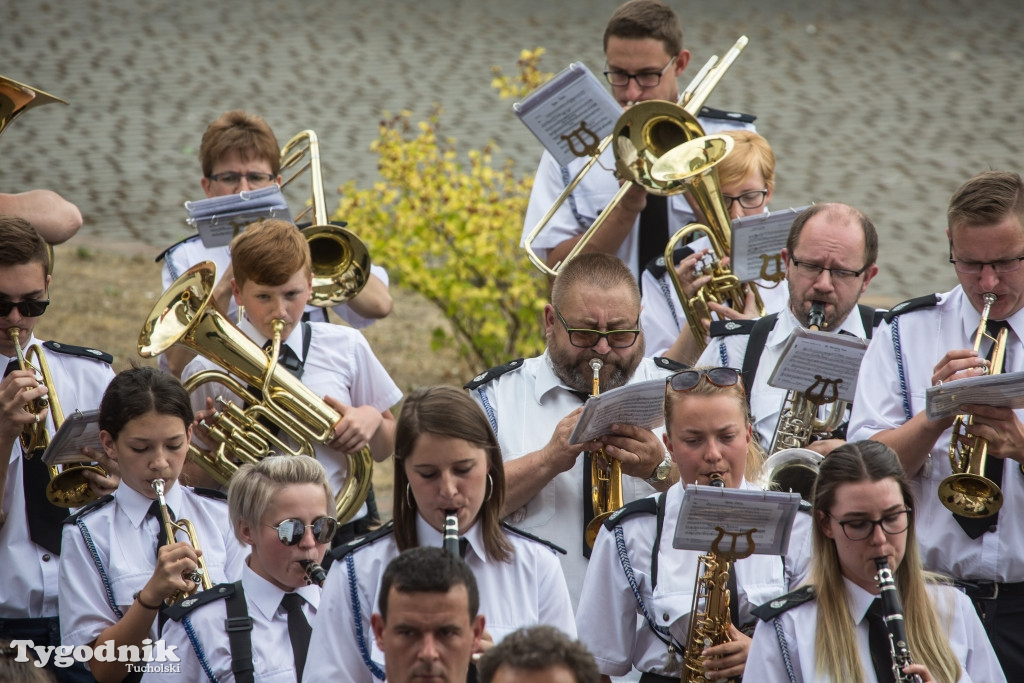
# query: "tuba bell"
184, 315
340, 260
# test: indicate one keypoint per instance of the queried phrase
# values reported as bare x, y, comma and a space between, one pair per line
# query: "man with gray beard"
533, 406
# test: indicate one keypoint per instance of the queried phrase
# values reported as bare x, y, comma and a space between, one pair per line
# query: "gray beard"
580, 376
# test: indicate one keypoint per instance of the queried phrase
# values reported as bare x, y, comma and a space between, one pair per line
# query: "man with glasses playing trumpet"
938, 338
29, 524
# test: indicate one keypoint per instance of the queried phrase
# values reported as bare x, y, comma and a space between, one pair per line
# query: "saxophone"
894, 623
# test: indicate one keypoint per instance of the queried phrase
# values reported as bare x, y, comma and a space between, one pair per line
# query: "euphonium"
340, 260
314, 572
67, 487
791, 469
605, 476
967, 492
198, 576
183, 315
893, 609
641, 135
798, 420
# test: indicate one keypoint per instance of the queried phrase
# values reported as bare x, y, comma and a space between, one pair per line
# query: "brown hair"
448, 411
638, 19
986, 199
237, 132
596, 270
837, 212
538, 648
750, 153
22, 244
269, 253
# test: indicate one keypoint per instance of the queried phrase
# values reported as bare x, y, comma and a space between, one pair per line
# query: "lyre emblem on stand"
777, 274
586, 138
732, 554
823, 390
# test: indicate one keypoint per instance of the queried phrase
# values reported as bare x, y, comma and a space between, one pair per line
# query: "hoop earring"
408, 496
490, 487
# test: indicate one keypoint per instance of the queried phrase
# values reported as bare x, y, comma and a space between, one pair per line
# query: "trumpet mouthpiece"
596, 364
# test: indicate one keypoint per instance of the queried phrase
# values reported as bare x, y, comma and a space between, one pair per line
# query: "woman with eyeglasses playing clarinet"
635, 572
447, 462
870, 613
283, 508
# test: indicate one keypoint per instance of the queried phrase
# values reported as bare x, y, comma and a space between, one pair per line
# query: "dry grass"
101, 297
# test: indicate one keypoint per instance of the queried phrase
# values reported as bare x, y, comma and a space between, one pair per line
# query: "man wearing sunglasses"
30, 526
829, 258
533, 406
930, 340
644, 57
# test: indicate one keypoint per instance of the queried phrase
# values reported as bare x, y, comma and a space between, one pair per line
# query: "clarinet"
314, 572
451, 532
894, 623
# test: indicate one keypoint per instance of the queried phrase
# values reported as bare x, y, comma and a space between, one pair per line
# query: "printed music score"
1005, 390
641, 404
706, 508
757, 241
219, 219
570, 114
819, 359
80, 429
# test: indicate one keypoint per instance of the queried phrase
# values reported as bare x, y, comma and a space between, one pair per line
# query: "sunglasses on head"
686, 380
291, 531
29, 308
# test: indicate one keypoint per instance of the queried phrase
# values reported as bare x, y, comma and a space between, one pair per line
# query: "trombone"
641, 135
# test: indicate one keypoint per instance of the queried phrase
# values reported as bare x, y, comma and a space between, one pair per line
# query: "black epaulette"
538, 539
669, 364
657, 268
727, 328
777, 606
168, 250
709, 113
216, 494
356, 543
81, 351
493, 373
186, 606
91, 507
926, 301
640, 505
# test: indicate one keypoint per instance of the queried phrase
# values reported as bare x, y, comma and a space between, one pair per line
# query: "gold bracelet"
138, 598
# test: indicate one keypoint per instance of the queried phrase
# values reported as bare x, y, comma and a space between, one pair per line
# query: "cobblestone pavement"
885, 105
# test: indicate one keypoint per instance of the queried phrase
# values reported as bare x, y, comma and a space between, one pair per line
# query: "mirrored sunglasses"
291, 531
686, 380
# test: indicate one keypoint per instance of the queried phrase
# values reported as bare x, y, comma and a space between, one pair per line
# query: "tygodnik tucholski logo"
152, 657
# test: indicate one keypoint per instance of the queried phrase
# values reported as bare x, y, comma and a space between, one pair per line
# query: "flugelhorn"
640, 136
183, 315
340, 260
198, 575
605, 476
967, 492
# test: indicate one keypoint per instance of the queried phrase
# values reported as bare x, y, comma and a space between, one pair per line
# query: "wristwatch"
661, 472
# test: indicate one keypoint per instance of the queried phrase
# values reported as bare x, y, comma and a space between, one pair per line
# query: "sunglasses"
291, 531
686, 380
30, 308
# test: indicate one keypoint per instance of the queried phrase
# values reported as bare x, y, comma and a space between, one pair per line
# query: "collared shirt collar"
294, 340
860, 600
972, 317
547, 380
266, 596
136, 506
429, 536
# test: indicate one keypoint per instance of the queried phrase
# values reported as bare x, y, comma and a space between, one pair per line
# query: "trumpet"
314, 572
67, 487
967, 492
605, 477
198, 575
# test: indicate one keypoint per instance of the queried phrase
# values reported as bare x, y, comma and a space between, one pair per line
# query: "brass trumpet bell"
68, 488
644, 134
970, 495
341, 264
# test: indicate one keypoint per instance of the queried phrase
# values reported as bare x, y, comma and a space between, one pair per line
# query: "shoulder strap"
656, 547
870, 318
91, 507
493, 373
639, 506
752, 356
783, 603
239, 628
926, 301
356, 543
80, 351
543, 541
669, 364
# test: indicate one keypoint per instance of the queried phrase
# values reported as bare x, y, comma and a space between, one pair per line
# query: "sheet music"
705, 509
825, 359
1003, 390
641, 404
219, 219
757, 240
80, 429
569, 112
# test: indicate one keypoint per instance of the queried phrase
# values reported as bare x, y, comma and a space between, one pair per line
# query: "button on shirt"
524, 407
125, 539
926, 335
609, 620
28, 589
528, 590
271, 647
956, 615
765, 400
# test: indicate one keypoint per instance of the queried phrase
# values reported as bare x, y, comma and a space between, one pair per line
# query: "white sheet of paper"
707, 510
79, 429
219, 219
641, 404
757, 240
814, 357
1003, 390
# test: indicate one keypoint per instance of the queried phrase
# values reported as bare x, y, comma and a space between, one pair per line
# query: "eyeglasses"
686, 380
583, 338
29, 308
644, 79
975, 267
748, 200
254, 178
892, 523
814, 270
291, 531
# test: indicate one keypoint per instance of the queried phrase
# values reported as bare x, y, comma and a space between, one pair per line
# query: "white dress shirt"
524, 407
125, 541
527, 590
925, 336
611, 623
272, 656
28, 589
800, 624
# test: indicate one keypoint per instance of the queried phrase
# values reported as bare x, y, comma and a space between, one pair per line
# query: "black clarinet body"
451, 533
893, 608
314, 572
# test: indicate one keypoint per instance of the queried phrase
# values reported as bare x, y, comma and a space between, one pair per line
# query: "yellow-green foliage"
448, 226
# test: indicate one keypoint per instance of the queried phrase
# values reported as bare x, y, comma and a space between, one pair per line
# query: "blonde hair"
253, 486
750, 153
